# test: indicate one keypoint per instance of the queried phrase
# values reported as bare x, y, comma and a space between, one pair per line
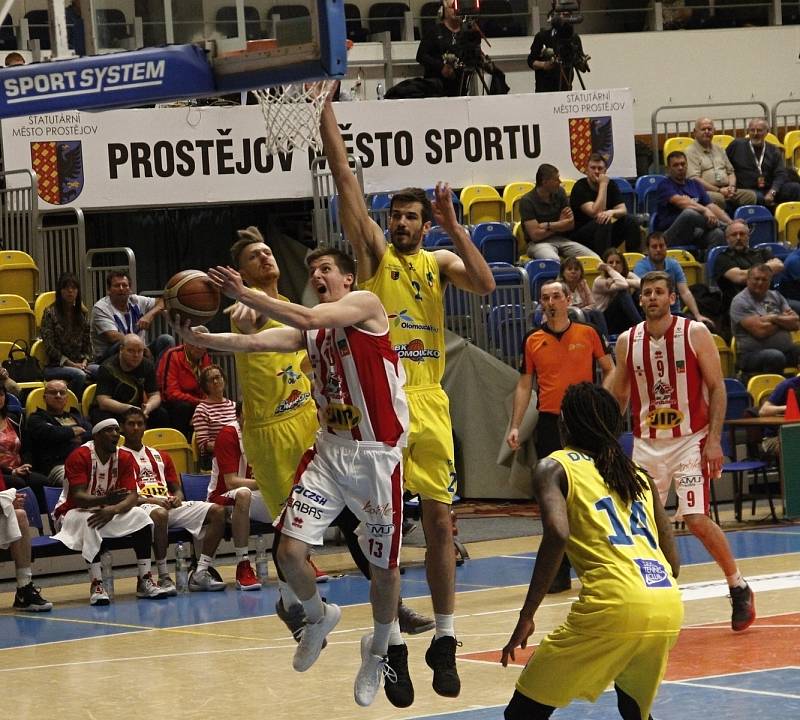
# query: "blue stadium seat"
495, 241
763, 228
628, 193
647, 193
711, 258
506, 326
437, 237
539, 271
778, 249
431, 193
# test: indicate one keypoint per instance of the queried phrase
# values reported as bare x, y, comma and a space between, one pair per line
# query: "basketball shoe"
313, 638
245, 577
29, 598
441, 658
743, 608
98, 594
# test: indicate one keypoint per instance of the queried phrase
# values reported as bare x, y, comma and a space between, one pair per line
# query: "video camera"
564, 16
565, 12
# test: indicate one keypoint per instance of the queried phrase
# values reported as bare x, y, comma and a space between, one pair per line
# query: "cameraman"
442, 40
556, 52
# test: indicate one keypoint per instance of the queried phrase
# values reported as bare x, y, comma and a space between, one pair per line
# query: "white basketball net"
291, 115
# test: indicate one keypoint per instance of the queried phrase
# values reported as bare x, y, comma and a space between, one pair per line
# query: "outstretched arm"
361, 231
272, 340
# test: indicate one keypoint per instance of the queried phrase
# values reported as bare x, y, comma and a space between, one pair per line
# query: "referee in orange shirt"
560, 353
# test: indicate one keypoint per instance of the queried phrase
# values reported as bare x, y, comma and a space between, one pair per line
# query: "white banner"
190, 155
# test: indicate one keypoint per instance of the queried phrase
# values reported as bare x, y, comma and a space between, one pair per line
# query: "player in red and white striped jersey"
669, 369
356, 460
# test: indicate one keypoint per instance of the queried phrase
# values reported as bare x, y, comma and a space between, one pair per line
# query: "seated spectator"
15, 536
760, 166
211, 414
686, 214
711, 167
15, 472
54, 432
580, 296
731, 265
127, 380
233, 486
776, 405
657, 259
601, 218
122, 313
762, 323
65, 334
161, 497
102, 479
178, 382
789, 285
615, 292
547, 218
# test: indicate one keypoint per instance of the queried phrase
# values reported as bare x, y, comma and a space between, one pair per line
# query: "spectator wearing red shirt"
178, 378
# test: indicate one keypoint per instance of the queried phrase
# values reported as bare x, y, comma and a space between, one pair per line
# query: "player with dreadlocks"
598, 507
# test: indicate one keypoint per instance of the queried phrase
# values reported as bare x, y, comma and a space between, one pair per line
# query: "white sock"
24, 576
162, 567
736, 580
314, 608
95, 571
241, 554
144, 566
380, 638
288, 596
204, 562
444, 625
395, 638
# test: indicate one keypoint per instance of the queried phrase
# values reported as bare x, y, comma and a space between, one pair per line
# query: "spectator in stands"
54, 431
760, 166
161, 497
15, 472
686, 214
657, 259
14, 58
789, 285
76, 33
15, 537
731, 265
127, 380
615, 292
212, 413
580, 297
762, 323
233, 486
8, 383
178, 377
548, 220
601, 218
102, 479
119, 313
774, 405
710, 166
65, 334
437, 52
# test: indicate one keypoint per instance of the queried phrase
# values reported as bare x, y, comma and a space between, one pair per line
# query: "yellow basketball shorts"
569, 665
274, 452
428, 466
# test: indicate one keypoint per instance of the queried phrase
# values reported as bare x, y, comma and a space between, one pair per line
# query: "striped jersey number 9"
637, 523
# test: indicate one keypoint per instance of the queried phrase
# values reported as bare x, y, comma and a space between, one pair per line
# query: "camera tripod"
473, 82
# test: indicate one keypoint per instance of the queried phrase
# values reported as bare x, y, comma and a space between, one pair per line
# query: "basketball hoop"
291, 115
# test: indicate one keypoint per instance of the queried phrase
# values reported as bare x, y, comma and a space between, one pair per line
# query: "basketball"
191, 295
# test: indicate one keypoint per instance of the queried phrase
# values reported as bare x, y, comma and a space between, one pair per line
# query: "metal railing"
19, 212
785, 119
327, 230
99, 262
63, 248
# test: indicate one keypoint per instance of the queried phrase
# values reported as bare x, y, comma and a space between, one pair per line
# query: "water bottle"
262, 565
107, 570
182, 568
379, 91
360, 87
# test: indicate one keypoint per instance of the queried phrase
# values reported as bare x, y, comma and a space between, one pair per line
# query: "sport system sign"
193, 155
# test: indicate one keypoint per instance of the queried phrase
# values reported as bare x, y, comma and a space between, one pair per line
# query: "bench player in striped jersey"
356, 460
668, 368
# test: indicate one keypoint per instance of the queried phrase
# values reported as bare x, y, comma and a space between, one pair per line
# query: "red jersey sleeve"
226, 450
170, 475
78, 467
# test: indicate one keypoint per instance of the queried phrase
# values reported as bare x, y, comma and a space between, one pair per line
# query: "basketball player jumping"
356, 460
668, 368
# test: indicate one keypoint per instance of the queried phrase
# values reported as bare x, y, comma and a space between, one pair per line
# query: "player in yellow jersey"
410, 282
605, 512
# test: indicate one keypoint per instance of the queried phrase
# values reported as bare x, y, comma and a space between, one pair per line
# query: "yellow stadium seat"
691, 268
722, 140
482, 203
725, 356
35, 401
87, 399
19, 274
791, 146
773, 140
568, 184
632, 258
758, 385
173, 442
511, 197
16, 319
590, 268
522, 244
38, 351
787, 215
43, 301
676, 143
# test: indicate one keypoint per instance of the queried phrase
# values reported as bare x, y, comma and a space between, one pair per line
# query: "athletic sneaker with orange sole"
245, 577
743, 608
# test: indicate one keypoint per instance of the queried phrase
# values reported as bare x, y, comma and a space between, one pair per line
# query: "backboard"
227, 48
